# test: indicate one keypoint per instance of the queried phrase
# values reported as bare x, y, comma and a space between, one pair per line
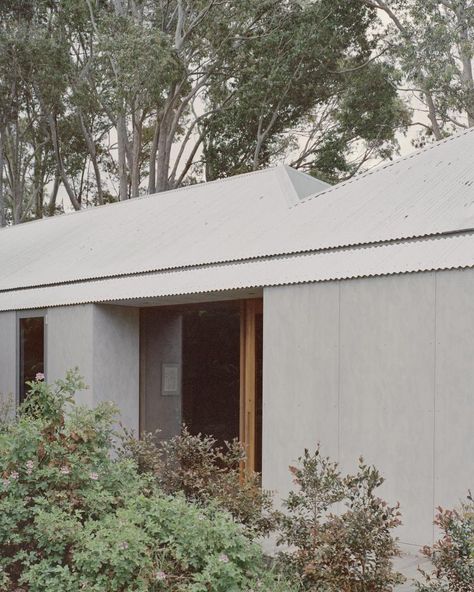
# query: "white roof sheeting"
205, 223
428, 254
238, 233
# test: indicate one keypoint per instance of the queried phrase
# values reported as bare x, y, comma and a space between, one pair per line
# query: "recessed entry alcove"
201, 365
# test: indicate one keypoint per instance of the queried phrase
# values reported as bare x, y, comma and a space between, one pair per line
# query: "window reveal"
31, 351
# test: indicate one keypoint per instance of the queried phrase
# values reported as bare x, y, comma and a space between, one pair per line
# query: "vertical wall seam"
339, 375
435, 392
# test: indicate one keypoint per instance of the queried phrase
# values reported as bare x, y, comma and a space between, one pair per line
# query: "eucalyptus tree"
230, 85
45, 47
104, 99
432, 41
308, 85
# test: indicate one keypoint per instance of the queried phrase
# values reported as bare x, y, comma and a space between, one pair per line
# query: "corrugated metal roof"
203, 223
427, 254
237, 232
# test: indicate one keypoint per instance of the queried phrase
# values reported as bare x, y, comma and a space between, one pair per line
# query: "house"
275, 308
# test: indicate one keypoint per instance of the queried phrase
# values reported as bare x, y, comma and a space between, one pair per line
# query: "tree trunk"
15, 176
432, 115
91, 148
466, 60
152, 161
3, 210
122, 157
136, 146
163, 160
59, 162
54, 195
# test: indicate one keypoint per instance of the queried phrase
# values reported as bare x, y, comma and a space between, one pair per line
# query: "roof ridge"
382, 167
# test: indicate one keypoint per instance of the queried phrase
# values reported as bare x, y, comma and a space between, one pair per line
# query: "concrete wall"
381, 367
103, 342
162, 343
116, 359
7, 354
69, 344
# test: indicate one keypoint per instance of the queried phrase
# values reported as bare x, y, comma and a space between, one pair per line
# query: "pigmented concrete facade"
379, 367
7, 353
101, 340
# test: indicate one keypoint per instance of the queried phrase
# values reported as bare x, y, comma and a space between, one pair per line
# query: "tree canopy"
431, 42
107, 99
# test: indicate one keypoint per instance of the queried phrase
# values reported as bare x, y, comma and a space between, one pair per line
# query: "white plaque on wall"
169, 380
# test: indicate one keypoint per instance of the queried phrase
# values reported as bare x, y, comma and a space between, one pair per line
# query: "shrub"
7, 409
453, 555
204, 472
73, 518
349, 550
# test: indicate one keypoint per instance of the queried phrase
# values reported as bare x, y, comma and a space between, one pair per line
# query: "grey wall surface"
161, 334
103, 342
7, 353
381, 367
116, 360
69, 344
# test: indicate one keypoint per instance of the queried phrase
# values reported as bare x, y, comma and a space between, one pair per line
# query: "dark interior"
31, 351
211, 371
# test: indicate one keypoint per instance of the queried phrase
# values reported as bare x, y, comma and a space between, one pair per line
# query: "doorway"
201, 365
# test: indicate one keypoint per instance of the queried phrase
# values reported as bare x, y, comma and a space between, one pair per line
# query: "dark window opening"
31, 351
211, 372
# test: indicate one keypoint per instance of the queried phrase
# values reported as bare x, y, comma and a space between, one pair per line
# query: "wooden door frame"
248, 374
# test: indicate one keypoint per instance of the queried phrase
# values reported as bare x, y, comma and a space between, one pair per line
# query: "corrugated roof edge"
284, 256
382, 167
348, 246
162, 194
253, 286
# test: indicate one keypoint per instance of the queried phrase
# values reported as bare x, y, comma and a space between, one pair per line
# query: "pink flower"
29, 466
161, 576
65, 470
223, 558
39, 376
14, 475
94, 476
123, 545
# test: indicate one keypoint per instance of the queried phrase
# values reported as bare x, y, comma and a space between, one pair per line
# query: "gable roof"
271, 227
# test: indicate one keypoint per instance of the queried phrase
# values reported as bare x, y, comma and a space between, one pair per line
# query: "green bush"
72, 518
337, 531
453, 555
204, 472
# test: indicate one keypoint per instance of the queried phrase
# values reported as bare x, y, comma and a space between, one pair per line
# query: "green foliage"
89, 89
431, 42
306, 74
195, 466
73, 518
338, 531
453, 555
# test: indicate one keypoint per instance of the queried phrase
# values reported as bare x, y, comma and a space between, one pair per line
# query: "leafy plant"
336, 530
453, 555
74, 518
196, 466
7, 409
